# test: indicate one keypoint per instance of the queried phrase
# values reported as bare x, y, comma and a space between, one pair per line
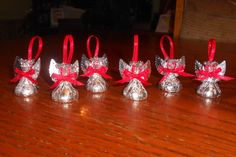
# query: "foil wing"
84, 63
105, 60
158, 61
122, 66
198, 66
36, 67
53, 68
222, 65
75, 67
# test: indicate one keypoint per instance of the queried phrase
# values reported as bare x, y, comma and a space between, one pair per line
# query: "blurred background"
46, 17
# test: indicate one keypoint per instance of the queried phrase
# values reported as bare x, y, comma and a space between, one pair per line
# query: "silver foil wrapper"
171, 83
64, 92
209, 87
25, 87
96, 83
135, 89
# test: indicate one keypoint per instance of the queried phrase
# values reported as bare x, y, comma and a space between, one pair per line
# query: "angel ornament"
64, 75
170, 68
136, 73
27, 71
95, 69
210, 73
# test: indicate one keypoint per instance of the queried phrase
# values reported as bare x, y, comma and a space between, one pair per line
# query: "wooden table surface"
109, 124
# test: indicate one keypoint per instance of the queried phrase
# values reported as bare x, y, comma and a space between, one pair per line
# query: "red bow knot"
176, 70
28, 74
204, 74
69, 78
142, 76
101, 71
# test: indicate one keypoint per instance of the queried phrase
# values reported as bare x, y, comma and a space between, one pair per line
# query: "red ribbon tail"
146, 83
199, 78
32, 80
122, 81
55, 84
76, 83
15, 79
106, 76
226, 78
87, 74
185, 74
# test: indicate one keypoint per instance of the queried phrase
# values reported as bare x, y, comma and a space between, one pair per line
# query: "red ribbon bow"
30, 72
21, 74
101, 71
90, 70
69, 78
177, 70
204, 74
142, 76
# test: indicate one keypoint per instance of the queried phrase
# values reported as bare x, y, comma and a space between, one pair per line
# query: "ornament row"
136, 73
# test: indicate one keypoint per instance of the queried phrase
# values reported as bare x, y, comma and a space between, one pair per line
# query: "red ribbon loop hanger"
96, 48
211, 49
30, 48
69, 40
171, 47
135, 50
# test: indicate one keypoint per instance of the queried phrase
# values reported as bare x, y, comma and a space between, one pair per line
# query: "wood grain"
179, 11
108, 124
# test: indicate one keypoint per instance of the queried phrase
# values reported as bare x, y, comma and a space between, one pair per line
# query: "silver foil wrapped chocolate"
136, 74
95, 68
64, 75
28, 71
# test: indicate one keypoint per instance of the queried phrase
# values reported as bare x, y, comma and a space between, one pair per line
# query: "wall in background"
14, 9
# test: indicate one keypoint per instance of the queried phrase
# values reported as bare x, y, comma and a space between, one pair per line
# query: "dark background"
29, 17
